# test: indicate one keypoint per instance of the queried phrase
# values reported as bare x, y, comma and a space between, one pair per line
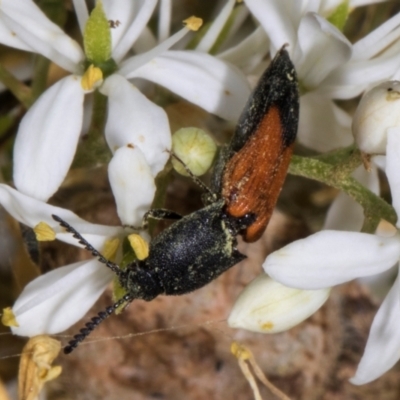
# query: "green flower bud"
339, 15
97, 36
195, 148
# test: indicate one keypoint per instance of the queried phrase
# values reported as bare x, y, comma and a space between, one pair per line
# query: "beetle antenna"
114, 267
194, 177
94, 323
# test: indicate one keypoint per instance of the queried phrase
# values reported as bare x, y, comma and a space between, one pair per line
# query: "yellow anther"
35, 367
193, 23
246, 360
8, 317
110, 248
139, 246
240, 352
44, 232
92, 78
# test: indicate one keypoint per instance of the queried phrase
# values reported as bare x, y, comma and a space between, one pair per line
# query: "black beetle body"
200, 246
189, 254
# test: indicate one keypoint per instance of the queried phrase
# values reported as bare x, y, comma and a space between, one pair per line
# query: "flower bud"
195, 148
97, 36
379, 110
266, 306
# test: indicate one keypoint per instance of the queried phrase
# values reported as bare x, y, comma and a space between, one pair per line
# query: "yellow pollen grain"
193, 23
44, 232
8, 318
110, 248
267, 326
91, 78
139, 246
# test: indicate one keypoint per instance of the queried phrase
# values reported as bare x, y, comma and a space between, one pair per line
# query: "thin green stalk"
22, 92
94, 150
375, 208
40, 74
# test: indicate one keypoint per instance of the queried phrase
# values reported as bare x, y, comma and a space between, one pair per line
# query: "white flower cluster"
137, 132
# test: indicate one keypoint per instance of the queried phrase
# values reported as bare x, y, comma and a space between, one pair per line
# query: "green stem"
375, 208
55, 10
40, 73
22, 92
94, 149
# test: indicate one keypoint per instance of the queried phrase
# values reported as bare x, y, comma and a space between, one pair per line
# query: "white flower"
49, 133
327, 64
377, 113
329, 258
267, 306
56, 300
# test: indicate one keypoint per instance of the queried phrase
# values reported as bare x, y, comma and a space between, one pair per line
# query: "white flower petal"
377, 112
249, 52
375, 42
329, 258
133, 17
132, 184
53, 302
47, 139
133, 119
349, 80
29, 24
201, 79
345, 214
393, 167
30, 212
323, 49
323, 126
145, 42
128, 67
211, 36
383, 346
359, 3
82, 13
164, 20
8, 38
267, 306
275, 18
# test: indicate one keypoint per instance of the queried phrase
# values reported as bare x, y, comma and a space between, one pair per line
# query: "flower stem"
94, 150
40, 73
338, 176
22, 92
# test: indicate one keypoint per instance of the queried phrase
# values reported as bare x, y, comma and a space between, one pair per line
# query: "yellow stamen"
92, 78
44, 232
8, 318
239, 351
35, 367
193, 23
246, 360
110, 248
139, 246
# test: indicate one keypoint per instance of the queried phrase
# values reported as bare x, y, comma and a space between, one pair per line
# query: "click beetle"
245, 186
